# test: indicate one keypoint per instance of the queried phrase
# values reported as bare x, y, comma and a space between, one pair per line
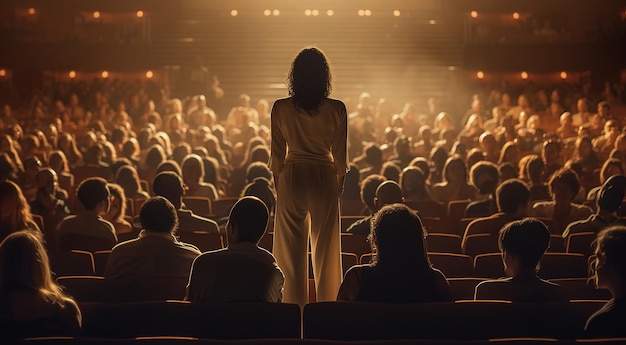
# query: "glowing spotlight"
3, 73
524, 75
31, 11
563, 75
315, 13
104, 74
276, 12
149, 74
267, 13
451, 68
396, 13
474, 14
140, 14
234, 13
368, 13
361, 13
480, 74
432, 22
72, 74
516, 16
307, 13
330, 13
96, 14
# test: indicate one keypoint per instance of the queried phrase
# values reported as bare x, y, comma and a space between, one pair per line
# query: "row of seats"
345, 321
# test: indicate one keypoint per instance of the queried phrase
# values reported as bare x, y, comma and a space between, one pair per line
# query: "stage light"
72, 74
276, 12
516, 16
307, 13
368, 13
31, 11
480, 74
104, 74
267, 13
396, 13
149, 74
432, 22
234, 13
3, 73
524, 75
451, 68
330, 13
474, 14
361, 13
563, 75
315, 13
96, 14
140, 14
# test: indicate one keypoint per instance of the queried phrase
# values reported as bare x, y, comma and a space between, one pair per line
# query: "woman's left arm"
340, 145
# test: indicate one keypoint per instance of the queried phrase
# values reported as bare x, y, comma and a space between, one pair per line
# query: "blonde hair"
19, 217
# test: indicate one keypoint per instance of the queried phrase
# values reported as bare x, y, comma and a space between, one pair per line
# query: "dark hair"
611, 194
128, 178
527, 239
155, 156
250, 216
257, 169
92, 191
566, 176
511, 194
397, 237
262, 189
368, 189
484, 168
534, 169
169, 185
309, 80
610, 246
169, 165
158, 215
449, 162
422, 163
391, 171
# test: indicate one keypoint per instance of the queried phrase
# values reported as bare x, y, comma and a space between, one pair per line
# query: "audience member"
387, 193
15, 212
484, 177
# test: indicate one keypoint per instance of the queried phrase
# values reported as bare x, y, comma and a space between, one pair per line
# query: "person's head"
412, 181
389, 192
169, 165
368, 190
550, 151
391, 171
484, 176
523, 243
584, 148
128, 178
24, 267
158, 215
611, 167
535, 169
15, 211
309, 81
487, 142
397, 237
169, 185
509, 153
455, 171
422, 163
58, 161
247, 220
193, 169
603, 109
512, 196
155, 156
47, 178
438, 156
261, 188
94, 195
612, 193
610, 252
373, 155
117, 210
564, 185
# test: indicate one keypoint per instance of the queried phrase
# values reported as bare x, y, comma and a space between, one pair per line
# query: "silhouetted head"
309, 79
158, 215
247, 220
526, 240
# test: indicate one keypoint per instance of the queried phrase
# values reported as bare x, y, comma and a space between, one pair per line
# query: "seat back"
205, 241
452, 265
100, 259
430, 209
346, 221
92, 244
489, 265
464, 288
581, 243
476, 244
582, 289
71, 262
443, 243
220, 208
198, 205
352, 207
563, 265
356, 244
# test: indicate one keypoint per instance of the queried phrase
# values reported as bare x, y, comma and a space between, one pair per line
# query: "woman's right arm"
279, 146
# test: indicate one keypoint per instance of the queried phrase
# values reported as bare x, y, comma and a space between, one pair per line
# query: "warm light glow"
31, 11
140, 14
432, 22
474, 14
234, 13
524, 75
361, 13
3, 72
563, 75
451, 68
149, 74
315, 13
104, 74
480, 74
276, 12
72, 74
368, 13
515, 15
96, 14
330, 13
307, 13
267, 13
396, 13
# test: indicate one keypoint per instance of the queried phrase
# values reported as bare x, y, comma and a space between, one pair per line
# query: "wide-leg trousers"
308, 203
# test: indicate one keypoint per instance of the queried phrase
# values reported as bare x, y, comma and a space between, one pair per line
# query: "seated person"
242, 272
522, 244
32, 303
156, 252
88, 230
483, 176
609, 201
387, 193
610, 274
401, 271
170, 186
512, 200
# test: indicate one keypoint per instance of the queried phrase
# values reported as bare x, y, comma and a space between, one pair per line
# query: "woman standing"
309, 162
